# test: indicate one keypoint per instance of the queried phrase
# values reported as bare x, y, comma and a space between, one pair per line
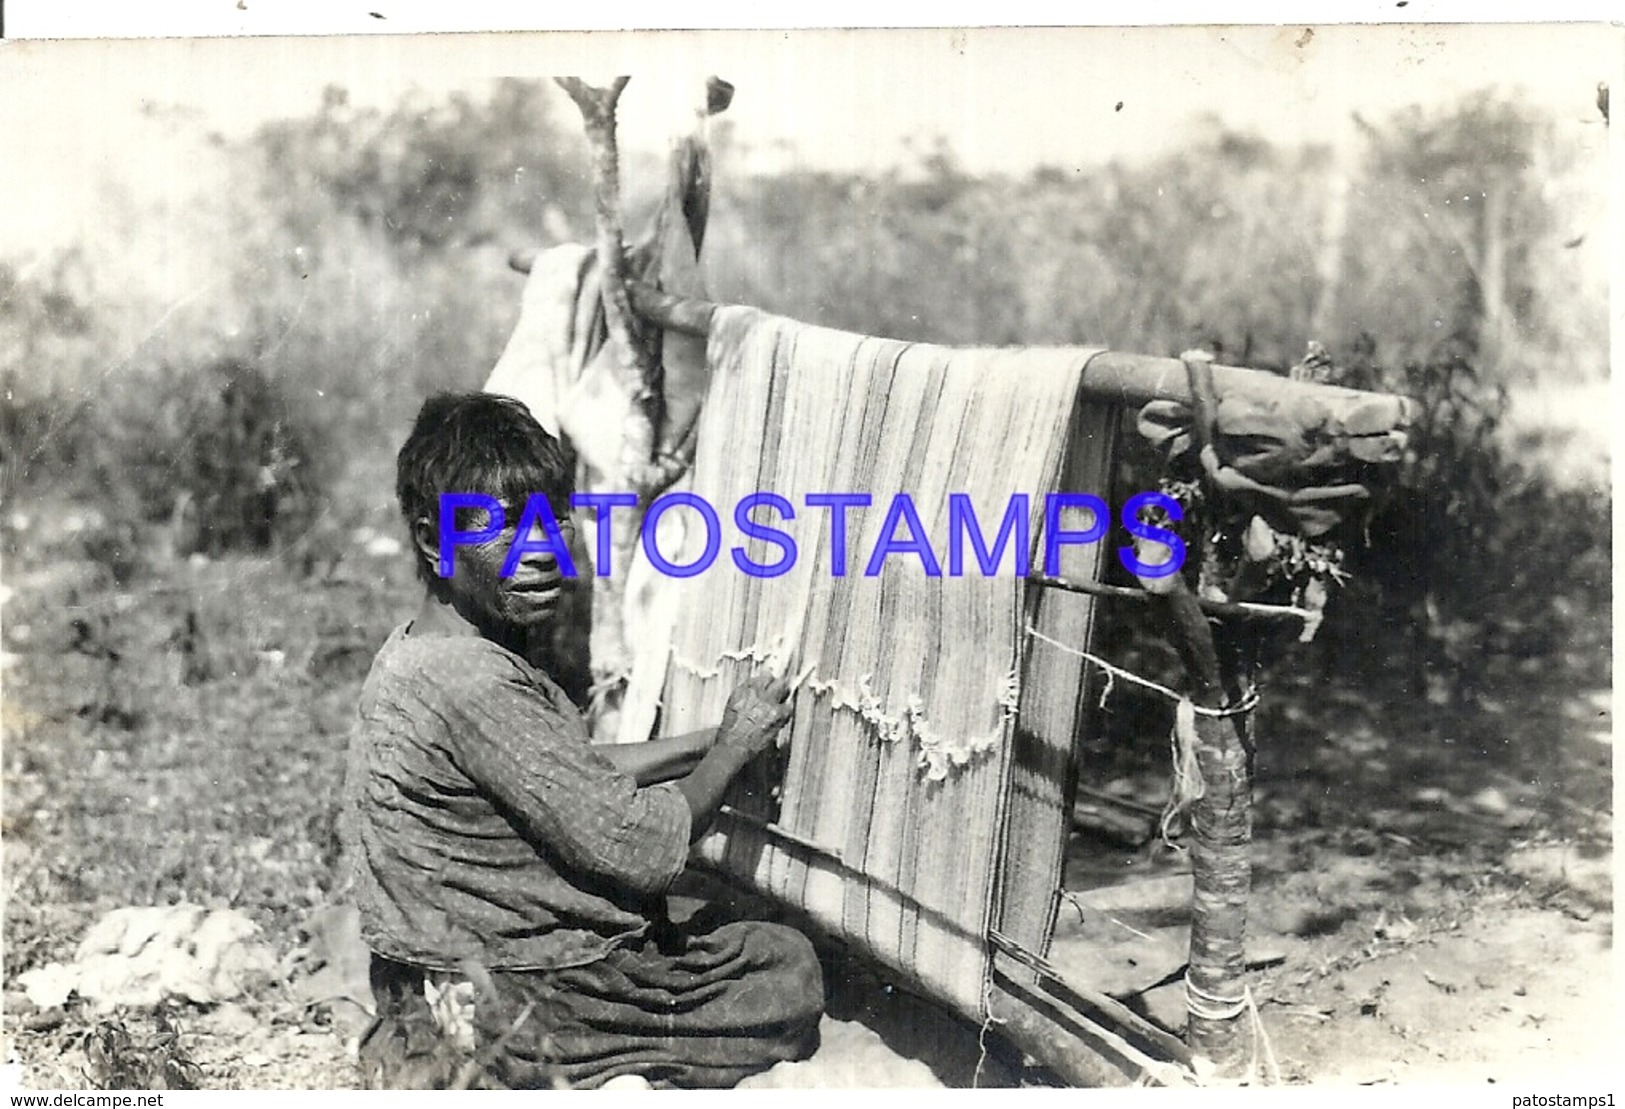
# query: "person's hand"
757, 710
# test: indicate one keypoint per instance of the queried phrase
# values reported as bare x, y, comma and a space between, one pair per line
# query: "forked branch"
634, 367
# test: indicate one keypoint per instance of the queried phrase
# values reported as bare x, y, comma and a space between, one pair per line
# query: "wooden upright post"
1222, 827
1221, 817
611, 658
656, 441
1221, 862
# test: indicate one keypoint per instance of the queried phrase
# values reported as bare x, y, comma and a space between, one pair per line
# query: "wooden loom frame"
1035, 1006
1027, 998
1080, 1034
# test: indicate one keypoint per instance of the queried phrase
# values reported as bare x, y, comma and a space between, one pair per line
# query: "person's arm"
659, 760
756, 712
704, 787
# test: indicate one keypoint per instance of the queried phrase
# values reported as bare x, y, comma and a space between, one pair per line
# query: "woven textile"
893, 784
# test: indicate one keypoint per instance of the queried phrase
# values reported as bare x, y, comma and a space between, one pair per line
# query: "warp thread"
800, 409
1188, 786
1085, 909
988, 1021
938, 752
1207, 1006
1247, 704
900, 732
990, 893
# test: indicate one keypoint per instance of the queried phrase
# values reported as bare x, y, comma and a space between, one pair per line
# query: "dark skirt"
700, 1010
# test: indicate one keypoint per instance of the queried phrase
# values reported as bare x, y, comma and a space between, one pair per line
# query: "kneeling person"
510, 875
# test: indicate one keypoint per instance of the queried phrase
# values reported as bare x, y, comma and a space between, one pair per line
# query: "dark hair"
476, 443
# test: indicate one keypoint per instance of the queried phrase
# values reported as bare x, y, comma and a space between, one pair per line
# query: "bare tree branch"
636, 369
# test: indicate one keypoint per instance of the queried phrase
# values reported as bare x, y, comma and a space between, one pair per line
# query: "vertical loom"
945, 867
921, 810
887, 830
951, 880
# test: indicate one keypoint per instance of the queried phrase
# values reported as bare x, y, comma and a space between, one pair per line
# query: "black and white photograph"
804, 558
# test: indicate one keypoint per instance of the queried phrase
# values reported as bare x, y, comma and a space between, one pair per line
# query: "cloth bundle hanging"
559, 363
897, 758
1290, 459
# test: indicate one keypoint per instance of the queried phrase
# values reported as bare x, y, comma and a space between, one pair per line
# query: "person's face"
525, 600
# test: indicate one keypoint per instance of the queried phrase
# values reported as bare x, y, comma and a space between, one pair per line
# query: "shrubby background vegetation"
356, 258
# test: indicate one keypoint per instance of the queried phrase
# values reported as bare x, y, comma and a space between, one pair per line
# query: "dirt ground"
1433, 884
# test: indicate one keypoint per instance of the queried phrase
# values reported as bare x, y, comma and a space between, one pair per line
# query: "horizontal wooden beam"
1074, 1046
1017, 963
1136, 379
1117, 377
685, 314
1234, 610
